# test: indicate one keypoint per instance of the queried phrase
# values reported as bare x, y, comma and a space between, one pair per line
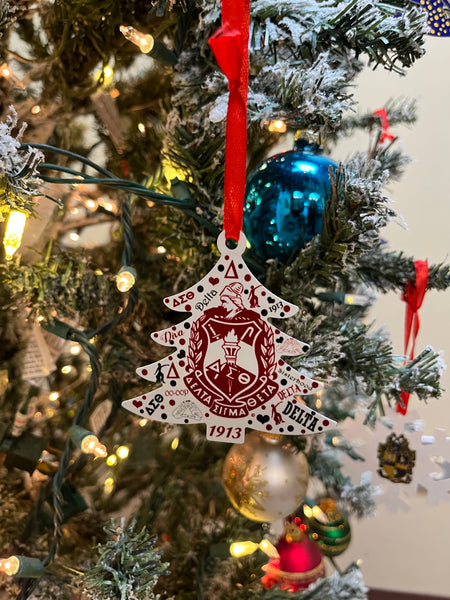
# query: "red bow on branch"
385, 135
413, 296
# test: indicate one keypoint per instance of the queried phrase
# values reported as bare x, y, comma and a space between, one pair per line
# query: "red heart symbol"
137, 403
213, 280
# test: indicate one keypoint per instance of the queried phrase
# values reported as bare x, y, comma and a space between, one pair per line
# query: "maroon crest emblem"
231, 357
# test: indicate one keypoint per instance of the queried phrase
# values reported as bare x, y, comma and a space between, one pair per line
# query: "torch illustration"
231, 347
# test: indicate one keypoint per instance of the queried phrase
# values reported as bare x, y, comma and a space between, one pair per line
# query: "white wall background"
410, 552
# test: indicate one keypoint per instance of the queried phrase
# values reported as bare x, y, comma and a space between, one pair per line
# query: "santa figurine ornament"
300, 561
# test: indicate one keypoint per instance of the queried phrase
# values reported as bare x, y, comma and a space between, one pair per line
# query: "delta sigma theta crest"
226, 369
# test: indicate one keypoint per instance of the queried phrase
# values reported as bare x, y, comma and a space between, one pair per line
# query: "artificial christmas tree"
135, 144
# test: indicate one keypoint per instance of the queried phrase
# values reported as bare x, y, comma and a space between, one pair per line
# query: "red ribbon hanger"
230, 47
413, 296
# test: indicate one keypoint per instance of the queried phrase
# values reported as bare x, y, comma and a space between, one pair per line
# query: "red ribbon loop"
413, 296
385, 135
227, 48
230, 47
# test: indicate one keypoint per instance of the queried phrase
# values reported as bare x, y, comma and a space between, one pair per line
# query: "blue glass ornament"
438, 16
285, 200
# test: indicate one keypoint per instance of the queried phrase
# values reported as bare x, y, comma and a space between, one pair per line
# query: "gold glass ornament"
265, 478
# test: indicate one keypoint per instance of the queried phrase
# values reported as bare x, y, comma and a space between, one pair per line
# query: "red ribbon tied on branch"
385, 135
230, 47
413, 296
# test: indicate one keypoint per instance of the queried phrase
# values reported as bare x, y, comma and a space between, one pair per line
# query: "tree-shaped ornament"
226, 370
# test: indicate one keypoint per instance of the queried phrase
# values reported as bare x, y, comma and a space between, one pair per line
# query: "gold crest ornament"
396, 459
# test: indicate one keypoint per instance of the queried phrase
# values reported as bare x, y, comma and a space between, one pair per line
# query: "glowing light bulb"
5, 71
161, 250
356, 299
74, 236
268, 548
114, 93
318, 401
277, 126
141, 127
91, 445
87, 441
142, 422
14, 232
144, 42
66, 369
125, 279
108, 485
91, 204
22, 566
36, 109
307, 510
53, 397
75, 349
319, 514
238, 549
172, 173
175, 442
122, 452
10, 565
105, 76
111, 460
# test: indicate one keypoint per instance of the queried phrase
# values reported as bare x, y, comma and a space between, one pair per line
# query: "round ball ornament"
285, 201
331, 532
265, 478
300, 561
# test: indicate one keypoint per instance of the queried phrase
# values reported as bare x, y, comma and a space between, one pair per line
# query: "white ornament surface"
226, 369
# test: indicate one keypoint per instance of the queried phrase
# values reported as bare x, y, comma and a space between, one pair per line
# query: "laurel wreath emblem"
268, 350
194, 351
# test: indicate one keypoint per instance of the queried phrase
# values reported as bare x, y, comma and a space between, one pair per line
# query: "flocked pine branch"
325, 467
306, 56
368, 371
398, 111
19, 183
9, 12
128, 568
60, 284
391, 271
